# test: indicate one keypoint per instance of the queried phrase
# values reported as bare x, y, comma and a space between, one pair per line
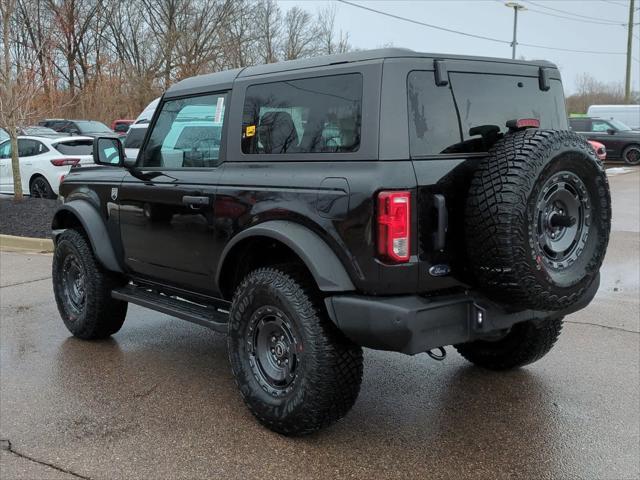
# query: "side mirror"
74, 131
108, 151
611, 131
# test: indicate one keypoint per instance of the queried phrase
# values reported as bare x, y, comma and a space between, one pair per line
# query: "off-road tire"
502, 219
525, 343
39, 188
627, 154
329, 366
99, 316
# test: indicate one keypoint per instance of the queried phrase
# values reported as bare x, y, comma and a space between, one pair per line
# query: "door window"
30, 148
187, 134
600, 126
311, 115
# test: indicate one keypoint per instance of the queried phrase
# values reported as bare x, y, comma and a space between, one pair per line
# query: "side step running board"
212, 317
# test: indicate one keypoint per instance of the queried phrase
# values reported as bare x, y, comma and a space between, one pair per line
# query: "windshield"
619, 125
92, 127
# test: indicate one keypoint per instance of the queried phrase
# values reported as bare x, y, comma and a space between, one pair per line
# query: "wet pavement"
158, 401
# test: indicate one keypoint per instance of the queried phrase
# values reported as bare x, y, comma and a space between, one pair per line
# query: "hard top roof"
224, 80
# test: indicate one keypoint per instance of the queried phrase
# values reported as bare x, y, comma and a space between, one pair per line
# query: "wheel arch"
310, 249
81, 214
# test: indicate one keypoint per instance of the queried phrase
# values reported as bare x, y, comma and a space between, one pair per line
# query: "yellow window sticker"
250, 131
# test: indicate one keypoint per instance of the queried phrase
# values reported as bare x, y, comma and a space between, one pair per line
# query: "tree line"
106, 59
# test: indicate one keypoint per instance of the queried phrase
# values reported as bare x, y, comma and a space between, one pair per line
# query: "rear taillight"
394, 226
61, 162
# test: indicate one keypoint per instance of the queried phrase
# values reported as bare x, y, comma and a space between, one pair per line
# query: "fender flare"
95, 229
326, 268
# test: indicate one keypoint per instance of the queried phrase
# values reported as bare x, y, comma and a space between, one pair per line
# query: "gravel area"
29, 218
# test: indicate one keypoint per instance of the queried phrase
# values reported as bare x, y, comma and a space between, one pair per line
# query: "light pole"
516, 6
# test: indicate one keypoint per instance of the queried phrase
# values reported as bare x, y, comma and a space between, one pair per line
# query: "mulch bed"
29, 218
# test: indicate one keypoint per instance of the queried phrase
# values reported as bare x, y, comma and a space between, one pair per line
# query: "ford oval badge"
439, 270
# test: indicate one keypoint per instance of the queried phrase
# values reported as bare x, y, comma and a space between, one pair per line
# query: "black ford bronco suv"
385, 199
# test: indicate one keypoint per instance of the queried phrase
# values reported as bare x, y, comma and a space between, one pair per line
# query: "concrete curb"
13, 243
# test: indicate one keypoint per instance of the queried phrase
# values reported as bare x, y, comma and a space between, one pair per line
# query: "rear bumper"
415, 324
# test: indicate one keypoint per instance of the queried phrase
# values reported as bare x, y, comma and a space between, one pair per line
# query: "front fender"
326, 268
93, 225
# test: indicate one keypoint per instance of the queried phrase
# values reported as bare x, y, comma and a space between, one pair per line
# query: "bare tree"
269, 22
299, 34
592, 92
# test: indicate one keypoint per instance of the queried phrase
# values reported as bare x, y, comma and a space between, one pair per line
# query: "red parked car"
600, 149
121, 126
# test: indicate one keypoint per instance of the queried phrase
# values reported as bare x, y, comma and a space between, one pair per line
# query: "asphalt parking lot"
158, 401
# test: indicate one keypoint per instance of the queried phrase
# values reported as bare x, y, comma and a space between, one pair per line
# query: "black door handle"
195, 201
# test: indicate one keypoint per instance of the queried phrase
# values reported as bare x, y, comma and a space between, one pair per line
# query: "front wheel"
295, 370
631, 155
523, 344
82, 289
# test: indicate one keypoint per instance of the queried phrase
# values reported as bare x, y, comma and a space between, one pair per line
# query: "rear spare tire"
538, 217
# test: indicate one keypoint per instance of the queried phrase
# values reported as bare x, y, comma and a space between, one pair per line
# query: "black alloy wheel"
274, 346
631, 155
73, 284
563, 214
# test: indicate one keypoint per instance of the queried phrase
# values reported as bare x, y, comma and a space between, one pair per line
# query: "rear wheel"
296, 372
631, 155
523, 344
40, 188
83, 288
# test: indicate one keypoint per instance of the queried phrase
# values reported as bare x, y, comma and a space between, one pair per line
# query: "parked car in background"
39, 131
3, 134
134, 139
146, 115
43, 162
601, 150
627, 114
121, 127
621, 141
89, 128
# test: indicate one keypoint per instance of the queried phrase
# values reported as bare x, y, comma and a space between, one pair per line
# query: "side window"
29, 148
600, 126
311, 115
433, 122
5, 149
187, 134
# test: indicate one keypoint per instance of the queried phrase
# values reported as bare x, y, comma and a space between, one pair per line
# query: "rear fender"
325, 267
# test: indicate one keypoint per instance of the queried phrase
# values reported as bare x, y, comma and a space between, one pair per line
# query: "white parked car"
43, 162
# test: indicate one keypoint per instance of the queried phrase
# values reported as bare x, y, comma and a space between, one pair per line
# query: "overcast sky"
492, 19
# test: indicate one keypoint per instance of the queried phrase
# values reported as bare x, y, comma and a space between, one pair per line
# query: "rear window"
312, 115
135, 136
433, 122
484, 104
75, 147
486, 101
